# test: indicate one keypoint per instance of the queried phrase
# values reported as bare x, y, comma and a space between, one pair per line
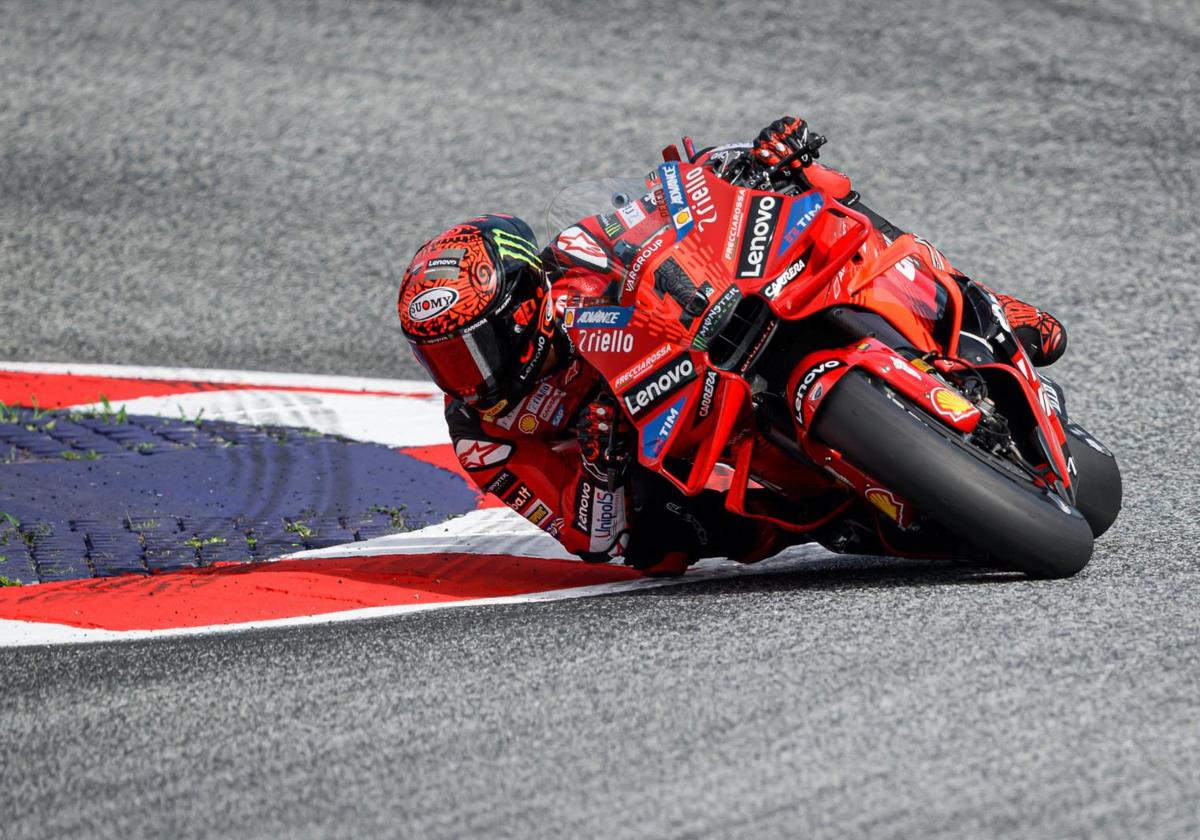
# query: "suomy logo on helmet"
432, 303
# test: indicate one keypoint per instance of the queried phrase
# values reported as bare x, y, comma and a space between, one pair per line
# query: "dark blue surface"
99, 496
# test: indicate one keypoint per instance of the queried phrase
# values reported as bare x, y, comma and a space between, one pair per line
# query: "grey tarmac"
240, 185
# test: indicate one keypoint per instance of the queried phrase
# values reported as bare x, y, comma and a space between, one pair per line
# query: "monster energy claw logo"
516, 247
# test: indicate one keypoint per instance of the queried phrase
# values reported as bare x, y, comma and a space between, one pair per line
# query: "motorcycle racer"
485, 312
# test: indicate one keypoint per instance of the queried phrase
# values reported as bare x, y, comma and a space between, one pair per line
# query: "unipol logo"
431, 303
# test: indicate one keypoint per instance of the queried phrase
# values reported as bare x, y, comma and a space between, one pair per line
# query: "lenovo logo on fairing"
760, 228
659, 385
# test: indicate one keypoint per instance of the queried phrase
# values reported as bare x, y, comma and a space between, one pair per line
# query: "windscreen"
595, 197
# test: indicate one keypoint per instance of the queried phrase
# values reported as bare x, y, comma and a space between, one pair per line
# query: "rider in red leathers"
482, 309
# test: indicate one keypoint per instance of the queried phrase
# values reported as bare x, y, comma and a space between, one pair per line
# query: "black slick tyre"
994, 510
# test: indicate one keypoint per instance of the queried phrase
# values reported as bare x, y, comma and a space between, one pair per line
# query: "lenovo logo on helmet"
659, 385
760, 228
431, 303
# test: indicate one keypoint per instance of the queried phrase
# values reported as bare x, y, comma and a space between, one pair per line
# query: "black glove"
784, 137
603, 440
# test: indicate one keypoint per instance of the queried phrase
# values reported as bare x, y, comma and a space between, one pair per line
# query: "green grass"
7, 581
108, 415
395, 515
299, 529
72, 455
199, 542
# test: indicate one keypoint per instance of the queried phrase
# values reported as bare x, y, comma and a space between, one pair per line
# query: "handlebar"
815, 142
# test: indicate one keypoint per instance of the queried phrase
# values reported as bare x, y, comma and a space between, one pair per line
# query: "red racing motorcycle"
834, 382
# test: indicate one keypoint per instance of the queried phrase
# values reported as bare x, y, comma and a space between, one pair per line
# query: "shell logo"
527, 424
887, 502
951, 404
683, 217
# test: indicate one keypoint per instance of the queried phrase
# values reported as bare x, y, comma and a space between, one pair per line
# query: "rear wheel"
975, 497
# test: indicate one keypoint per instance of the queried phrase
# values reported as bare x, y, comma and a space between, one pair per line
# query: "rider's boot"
1041, 334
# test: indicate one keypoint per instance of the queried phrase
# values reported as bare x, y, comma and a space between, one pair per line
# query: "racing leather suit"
528, 454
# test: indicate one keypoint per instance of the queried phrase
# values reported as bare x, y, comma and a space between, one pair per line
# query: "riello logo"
431, 303
659, 385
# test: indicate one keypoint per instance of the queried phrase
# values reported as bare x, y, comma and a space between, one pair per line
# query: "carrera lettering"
764, 216
777, 285
660, 385
708, 394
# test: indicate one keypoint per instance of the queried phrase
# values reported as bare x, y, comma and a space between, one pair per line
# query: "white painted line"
236, 377
391, 421
27, 633
487, 531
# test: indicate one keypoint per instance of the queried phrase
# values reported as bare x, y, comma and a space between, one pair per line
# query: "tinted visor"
468, 365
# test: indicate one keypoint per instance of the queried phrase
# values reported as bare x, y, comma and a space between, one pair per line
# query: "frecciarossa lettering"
659, 385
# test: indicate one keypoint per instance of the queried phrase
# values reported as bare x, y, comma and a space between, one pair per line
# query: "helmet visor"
468, 364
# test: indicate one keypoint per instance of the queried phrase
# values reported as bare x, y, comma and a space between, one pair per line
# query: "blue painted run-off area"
103, 494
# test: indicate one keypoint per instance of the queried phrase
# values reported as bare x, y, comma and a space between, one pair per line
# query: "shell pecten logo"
886, 501
951, 404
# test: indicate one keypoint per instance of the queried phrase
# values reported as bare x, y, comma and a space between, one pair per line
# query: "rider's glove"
603, 440
781, 138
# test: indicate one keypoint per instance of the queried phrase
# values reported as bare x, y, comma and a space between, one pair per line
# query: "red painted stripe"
290, 588
58, 390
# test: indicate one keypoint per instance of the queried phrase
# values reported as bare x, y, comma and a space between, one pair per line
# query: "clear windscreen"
594, 197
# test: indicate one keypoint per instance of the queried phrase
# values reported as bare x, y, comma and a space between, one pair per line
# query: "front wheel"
995, 511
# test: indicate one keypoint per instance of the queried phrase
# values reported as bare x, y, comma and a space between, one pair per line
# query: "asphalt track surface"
238, 185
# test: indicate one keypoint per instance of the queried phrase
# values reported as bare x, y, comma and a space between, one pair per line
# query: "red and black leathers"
544, 455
